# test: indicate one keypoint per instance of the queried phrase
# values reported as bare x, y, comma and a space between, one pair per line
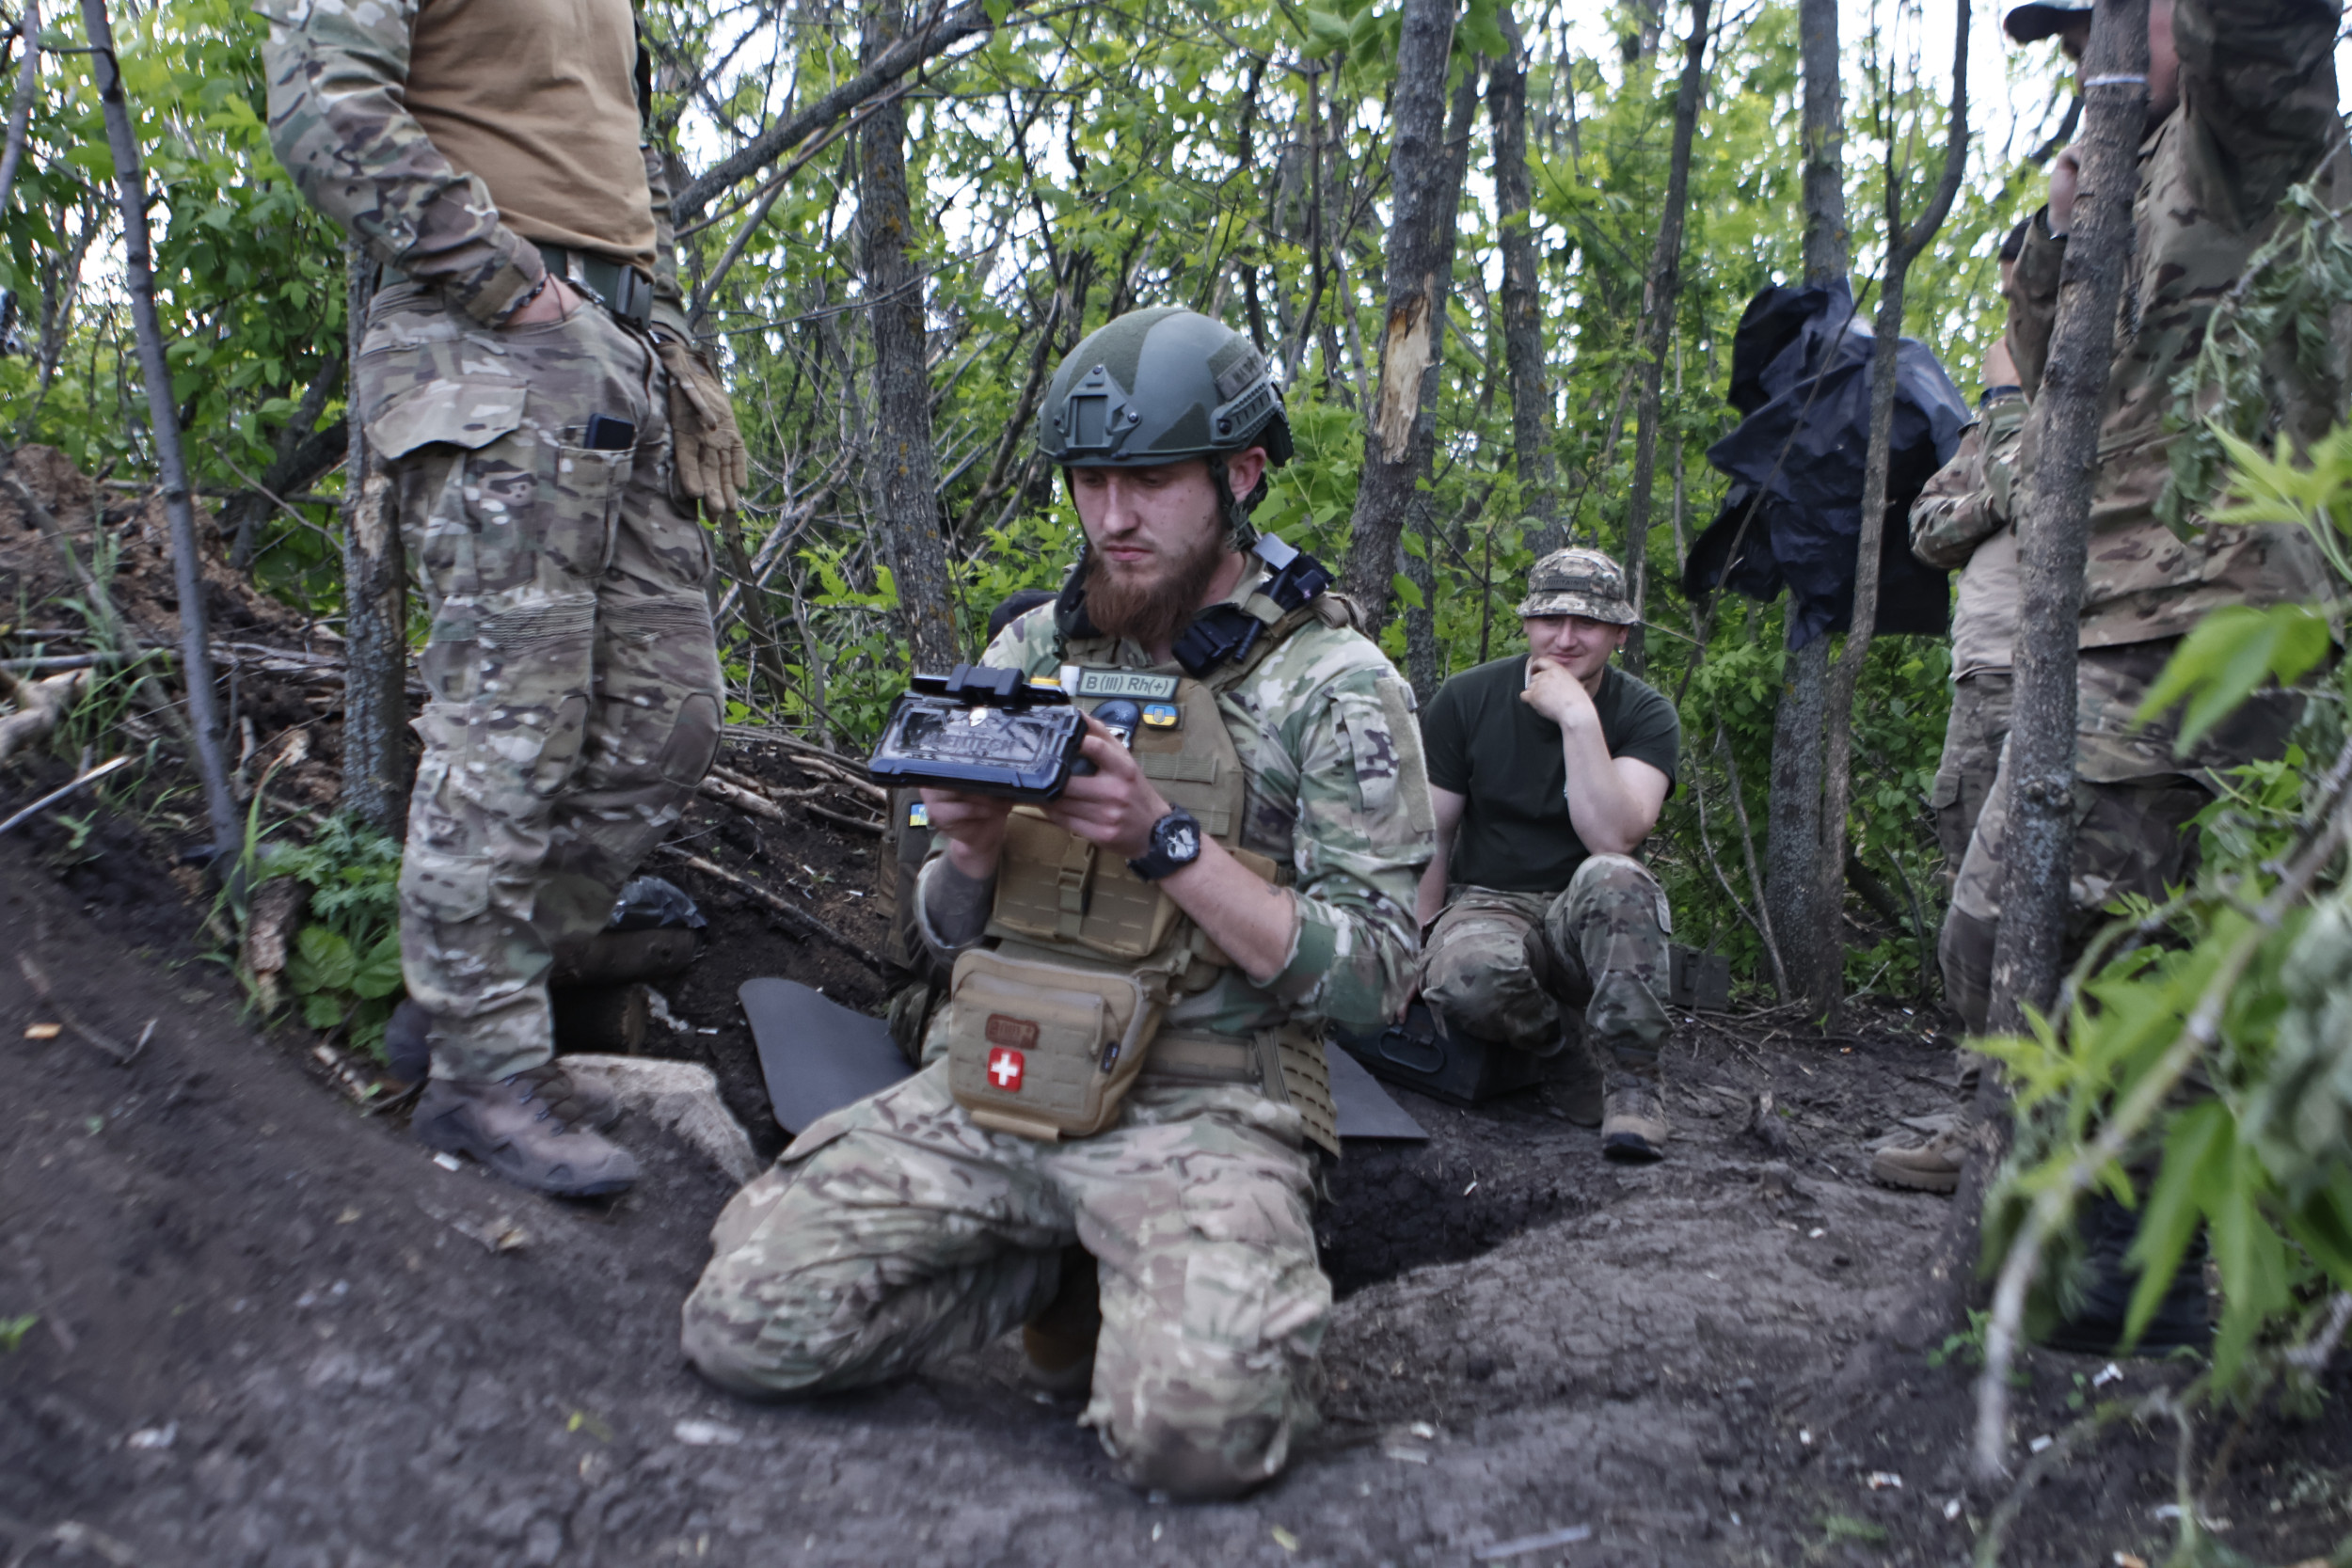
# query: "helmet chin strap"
1239, 531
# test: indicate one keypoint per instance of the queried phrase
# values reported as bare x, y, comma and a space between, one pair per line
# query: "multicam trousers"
573, 670
895, 1233
2136, 803
1971, 754
1605, 941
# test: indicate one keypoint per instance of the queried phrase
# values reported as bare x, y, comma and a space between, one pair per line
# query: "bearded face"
1157, 543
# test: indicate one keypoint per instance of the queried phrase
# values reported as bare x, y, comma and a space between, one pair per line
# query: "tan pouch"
1044, 1050
1054, 886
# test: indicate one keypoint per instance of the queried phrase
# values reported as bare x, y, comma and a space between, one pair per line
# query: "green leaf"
2233, 651
2196, 1159
1407, 590
321, 1011
322, 961
379, 974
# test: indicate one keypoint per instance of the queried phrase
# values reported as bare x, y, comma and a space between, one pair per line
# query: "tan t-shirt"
1985, 621
539, 99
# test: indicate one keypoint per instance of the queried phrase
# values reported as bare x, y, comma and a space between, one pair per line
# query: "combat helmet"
1159, 385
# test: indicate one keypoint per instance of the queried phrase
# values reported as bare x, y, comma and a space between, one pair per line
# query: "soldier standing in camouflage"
1963, 519
902, 1229
549, 432
1548, 771
2242, 105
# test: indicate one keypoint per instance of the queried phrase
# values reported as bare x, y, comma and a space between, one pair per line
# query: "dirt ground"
271, 1331
241, 1322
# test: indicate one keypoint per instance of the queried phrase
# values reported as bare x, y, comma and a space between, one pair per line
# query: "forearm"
1254, 922
1606, 813
1430, 900
954, 907
339, 125
665, 283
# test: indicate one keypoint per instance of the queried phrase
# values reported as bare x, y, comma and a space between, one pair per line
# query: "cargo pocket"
444, 887
580, 507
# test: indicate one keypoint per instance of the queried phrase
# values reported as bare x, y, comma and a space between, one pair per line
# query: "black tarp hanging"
1801, 378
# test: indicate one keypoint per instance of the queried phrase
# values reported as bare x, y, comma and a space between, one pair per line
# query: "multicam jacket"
337, 72
1337, 793
2257, 116
1962, 521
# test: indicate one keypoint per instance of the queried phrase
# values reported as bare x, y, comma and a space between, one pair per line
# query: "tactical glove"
712, 463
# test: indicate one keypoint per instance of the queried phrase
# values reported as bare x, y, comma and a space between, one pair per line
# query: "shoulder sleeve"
1444, 738
2033, 301
1028, 644
2259, 78
1967, 501
1651, 731
1363, 832
337, 72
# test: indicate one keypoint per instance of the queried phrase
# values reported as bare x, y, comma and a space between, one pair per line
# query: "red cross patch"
1004, 1069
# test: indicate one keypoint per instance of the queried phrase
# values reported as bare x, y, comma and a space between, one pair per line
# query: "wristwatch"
1175, 845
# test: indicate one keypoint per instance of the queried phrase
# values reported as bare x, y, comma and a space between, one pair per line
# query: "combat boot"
530, 1128
1932, 1164
408, 1056
1928, 1166
1059, 1342
1634, 1122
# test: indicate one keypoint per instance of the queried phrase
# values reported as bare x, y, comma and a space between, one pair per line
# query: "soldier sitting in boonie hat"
1548, 770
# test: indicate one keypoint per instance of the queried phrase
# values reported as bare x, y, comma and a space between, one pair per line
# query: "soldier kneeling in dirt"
1548, 770
1114, 1143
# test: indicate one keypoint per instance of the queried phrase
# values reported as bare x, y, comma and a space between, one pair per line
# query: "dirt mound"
269, 1330
243, 1322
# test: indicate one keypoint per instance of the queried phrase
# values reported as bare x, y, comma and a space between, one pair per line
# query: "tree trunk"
195, 656
1660, 294
905, 468
2054, 535
1824, 142
1806, 928
1522, 297
375, 610
1400, 431
21, 110
1904, 244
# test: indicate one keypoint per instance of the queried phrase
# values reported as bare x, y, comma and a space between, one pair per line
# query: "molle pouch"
1054, 886
1046, 1051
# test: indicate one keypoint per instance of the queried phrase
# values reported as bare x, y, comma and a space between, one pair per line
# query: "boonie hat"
1579, 582
2044, 19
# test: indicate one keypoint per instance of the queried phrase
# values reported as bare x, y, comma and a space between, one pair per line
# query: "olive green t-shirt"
1484, 743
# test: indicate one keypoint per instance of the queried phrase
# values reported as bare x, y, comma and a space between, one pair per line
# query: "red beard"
1151, 606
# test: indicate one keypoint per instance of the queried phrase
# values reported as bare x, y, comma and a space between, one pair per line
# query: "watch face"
1177, 838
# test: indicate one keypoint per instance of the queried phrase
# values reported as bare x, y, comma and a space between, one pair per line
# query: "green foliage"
2206, 1039
344, 967
2269, 331
12, 1331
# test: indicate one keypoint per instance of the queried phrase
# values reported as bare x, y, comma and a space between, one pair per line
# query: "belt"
620, 288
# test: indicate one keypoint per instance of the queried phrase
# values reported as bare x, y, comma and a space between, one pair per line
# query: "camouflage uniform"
2257, 115
1603, 949
1962, 521
574, 676
576, 692
895, 1232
